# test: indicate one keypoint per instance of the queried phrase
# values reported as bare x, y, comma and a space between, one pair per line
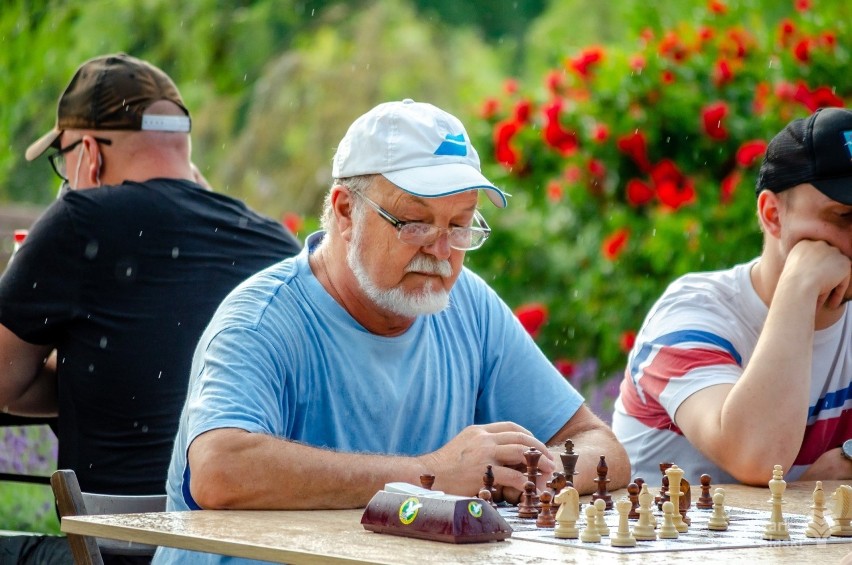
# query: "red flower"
802, 50
637, 63
717, 7
712, 117
583, 63
638, 193
705, 34
554, 191
532, 316
510, 86
597, 168
554, 134
674, 189
672, 47
600, 133
628, 339
565, 367
729, 184
489, 109
615, 243
761, 95
572, 174
667, 77
828, 39
803, 5
750, 151
554, 81
820, 97
504, 153
786, 31
523, 109
722, 74
292, 222
635, 146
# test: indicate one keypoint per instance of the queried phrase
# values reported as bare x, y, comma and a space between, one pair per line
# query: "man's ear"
769, 212
341, 206
94, 161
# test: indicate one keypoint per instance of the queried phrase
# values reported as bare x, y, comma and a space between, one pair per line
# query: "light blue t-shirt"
282, 357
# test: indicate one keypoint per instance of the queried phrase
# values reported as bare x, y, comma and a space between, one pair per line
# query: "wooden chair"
71, 501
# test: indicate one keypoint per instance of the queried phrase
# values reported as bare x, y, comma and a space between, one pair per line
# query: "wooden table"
323, 536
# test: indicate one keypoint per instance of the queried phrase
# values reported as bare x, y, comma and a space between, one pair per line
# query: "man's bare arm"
27, 377
232, 468
760, 421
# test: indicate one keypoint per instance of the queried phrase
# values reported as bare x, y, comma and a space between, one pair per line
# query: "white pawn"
718, 520
600, 523
818, 527
590, 533
776, 528
644, 529
623, 537
668, 531
675, 474
569, 512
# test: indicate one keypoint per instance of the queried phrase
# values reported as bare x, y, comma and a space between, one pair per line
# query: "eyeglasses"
57, 160
420, 234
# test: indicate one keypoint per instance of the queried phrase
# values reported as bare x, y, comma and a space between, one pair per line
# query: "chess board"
745, 530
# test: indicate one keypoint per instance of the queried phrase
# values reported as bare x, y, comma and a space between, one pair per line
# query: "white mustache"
430, 266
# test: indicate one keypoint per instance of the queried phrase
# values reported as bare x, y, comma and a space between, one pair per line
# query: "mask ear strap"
100, 164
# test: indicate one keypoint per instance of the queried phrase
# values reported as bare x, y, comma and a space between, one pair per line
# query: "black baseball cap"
112, 92
815, 150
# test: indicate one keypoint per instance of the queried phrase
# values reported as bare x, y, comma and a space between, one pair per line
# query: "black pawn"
706, 499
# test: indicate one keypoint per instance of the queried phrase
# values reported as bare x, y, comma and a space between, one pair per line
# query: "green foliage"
595, 231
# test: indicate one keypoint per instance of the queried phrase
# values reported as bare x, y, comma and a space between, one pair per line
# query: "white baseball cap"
416, 146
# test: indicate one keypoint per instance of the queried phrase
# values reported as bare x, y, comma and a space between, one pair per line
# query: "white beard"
396, 300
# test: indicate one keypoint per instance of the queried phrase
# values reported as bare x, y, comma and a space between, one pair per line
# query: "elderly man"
736, 371
374, 355
107, 297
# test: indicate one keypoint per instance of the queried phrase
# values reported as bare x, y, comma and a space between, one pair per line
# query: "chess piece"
776, 528
675, 474
705, 501
590, 533
545, 516
719, 519
622, 536
685, 502
532, 455
557, 483
644, 529
818, 526
600, 522
488, 483
633, 496
668, 529
569, 460
426, 481
602, 492
568, 514
526, 507
664, 488
485, 495
842, 511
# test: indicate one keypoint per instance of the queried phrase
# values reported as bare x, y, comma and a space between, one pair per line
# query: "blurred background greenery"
592, 235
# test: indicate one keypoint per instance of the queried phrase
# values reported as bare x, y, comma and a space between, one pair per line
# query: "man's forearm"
40, 398
234, 469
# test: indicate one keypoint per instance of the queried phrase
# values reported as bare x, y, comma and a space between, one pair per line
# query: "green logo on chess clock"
408, 510
475, 508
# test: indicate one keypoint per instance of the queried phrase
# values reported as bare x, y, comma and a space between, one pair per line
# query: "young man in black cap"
736, 371
105, 301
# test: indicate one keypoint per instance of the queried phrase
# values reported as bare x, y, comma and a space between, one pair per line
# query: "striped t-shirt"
703, 332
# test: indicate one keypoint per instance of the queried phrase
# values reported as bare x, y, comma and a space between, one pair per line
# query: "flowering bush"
631, 166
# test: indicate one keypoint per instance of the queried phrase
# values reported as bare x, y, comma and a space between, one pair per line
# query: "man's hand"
460, 464
818, 268
831, 465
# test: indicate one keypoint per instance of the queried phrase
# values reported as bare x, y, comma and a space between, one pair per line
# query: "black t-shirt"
122, 280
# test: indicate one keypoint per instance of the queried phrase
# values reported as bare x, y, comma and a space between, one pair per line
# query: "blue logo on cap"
453, 145
848, 136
